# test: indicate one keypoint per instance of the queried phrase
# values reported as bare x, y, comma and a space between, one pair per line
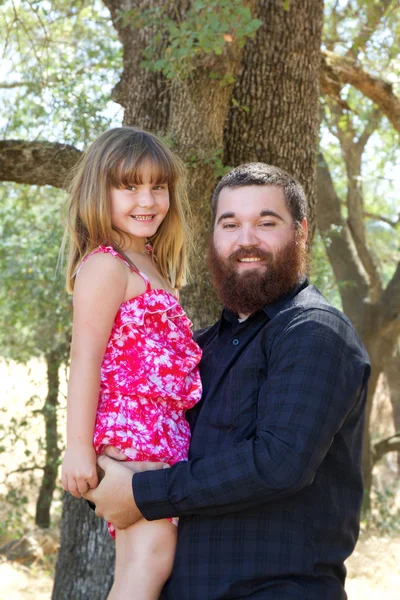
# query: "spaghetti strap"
145, 279
115, 254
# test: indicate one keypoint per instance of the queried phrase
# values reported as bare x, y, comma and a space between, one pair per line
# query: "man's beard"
247, 292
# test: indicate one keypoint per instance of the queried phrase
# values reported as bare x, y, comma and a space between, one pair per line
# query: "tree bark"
146, 101
85, 565
37, 163
275, 118
375, 313
48, 484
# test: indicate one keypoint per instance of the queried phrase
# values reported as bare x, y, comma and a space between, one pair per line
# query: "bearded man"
269, 501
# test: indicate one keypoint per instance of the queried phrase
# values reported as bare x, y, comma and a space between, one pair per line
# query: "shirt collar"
271, 310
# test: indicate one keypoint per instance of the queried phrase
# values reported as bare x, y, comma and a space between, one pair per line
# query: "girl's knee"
158, 549
147, 543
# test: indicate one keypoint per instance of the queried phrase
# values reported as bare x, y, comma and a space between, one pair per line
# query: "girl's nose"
146, 199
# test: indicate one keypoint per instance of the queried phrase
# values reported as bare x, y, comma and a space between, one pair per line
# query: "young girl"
133, 360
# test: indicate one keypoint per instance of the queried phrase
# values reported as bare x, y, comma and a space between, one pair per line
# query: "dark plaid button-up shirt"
269, 500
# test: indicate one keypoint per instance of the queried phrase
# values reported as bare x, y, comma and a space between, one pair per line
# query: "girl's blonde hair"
116, 159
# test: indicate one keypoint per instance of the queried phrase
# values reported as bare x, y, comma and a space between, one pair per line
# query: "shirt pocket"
235, 405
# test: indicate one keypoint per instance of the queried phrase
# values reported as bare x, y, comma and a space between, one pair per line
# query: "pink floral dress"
149, 378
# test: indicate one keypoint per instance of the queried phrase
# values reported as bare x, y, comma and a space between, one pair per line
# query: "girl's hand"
79, 469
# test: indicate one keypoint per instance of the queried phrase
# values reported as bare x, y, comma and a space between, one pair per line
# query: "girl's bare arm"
99, 292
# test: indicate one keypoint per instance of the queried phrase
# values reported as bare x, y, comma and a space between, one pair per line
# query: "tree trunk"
85, 565
191, 113
392, 372
275, 115
48, 484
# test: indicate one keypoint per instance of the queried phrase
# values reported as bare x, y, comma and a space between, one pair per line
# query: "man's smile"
249, 259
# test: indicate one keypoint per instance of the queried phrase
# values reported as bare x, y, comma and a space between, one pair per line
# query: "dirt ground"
373, 574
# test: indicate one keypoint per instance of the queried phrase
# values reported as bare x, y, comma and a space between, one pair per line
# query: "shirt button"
235, 342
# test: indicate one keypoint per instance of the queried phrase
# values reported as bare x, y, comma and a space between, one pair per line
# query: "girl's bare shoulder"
101, 273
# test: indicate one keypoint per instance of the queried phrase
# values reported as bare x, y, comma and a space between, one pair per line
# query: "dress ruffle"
151, 302
151, 351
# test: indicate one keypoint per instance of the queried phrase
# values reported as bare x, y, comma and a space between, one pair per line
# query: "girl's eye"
130, 188
160, 187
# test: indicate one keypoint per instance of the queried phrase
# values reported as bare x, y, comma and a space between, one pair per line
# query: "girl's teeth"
149, 218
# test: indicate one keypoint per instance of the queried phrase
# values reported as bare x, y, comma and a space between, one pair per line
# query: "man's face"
257, 255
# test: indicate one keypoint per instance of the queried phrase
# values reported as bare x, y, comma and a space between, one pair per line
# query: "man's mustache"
250, 252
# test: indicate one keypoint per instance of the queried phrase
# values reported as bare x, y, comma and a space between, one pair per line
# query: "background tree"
361, 243
35, 312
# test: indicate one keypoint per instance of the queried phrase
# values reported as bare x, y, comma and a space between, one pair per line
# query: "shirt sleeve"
317, 377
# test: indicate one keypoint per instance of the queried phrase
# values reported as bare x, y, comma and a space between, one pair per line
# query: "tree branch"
389, 305
374, 119
37, 163
338, 70
349, 272
4, 85
389, 444
352, 153
374, 13
393, 224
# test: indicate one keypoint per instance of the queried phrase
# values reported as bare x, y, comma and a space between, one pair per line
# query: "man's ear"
304, 226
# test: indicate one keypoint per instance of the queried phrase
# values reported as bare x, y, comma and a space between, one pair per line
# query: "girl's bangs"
131, 168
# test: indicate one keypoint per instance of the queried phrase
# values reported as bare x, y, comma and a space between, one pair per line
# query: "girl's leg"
144, 558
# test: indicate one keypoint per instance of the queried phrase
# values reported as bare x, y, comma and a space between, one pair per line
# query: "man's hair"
262, 174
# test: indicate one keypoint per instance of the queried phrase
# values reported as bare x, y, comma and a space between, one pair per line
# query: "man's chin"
243, 267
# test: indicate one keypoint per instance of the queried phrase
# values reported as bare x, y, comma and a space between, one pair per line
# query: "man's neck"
242, 317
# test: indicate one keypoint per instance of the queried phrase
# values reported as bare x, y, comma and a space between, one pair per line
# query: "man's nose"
248, 237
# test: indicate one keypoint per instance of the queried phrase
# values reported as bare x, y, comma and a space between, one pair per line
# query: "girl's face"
139, 209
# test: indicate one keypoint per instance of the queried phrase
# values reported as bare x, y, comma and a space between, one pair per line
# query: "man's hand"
114, 497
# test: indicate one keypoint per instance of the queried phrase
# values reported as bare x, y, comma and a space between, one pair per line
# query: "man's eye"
268, 224
229, 226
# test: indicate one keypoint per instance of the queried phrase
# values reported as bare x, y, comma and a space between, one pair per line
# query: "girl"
133, 360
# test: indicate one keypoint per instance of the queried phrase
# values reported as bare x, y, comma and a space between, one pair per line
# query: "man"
269, 500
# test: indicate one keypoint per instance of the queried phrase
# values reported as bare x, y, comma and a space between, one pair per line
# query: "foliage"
35, 317
60, 61
15, 433
206, 31
385, 514
365, 32
322, 275
35, 309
